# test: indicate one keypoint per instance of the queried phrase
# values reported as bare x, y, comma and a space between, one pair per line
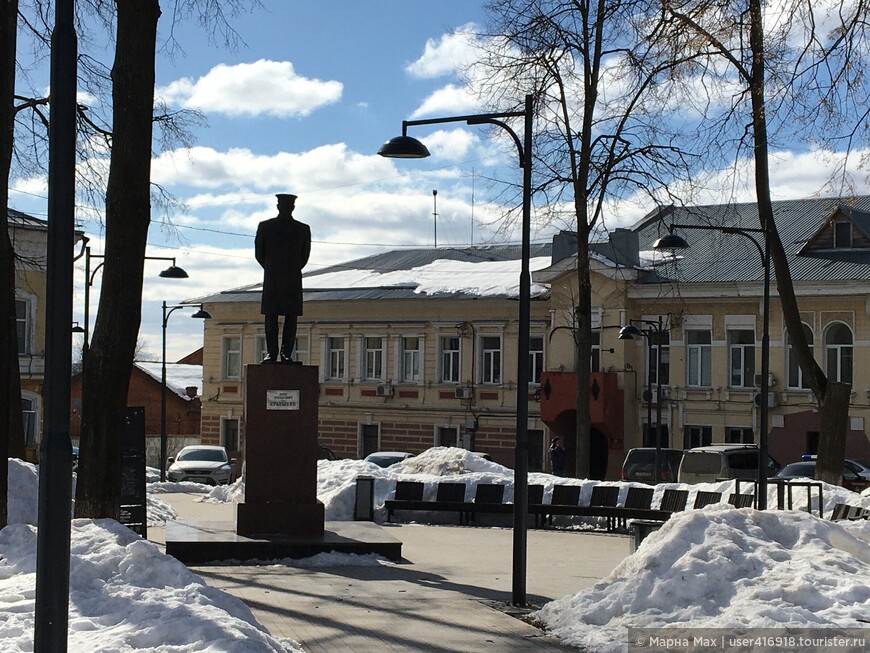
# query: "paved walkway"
448, 594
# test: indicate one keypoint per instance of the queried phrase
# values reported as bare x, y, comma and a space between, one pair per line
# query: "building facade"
418, 348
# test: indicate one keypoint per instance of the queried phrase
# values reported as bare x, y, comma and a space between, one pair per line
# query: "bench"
741, 500
449, 497
704, 499
563, 501
488, 498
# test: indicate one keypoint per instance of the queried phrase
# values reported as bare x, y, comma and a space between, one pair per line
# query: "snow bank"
725, 568
125, 596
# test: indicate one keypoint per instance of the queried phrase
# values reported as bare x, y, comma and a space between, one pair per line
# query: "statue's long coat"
282, 247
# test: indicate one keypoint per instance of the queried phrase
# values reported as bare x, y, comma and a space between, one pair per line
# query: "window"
697, 436
595, 359
698, 351
28, 414
449, 372
794, 372
374, 358
659, 346
336, 358
842, 234
741, 356
411, 359
22, 326
838, 353
446, 436
739, 436
369, 439
490, 353
536, 358
300, 350
232, 357
230, 434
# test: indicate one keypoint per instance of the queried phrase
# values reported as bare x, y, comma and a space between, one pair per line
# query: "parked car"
640, 465
722, 461
201, 463
387, 458
855, 477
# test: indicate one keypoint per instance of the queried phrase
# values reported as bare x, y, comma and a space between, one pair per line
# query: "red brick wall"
182, 416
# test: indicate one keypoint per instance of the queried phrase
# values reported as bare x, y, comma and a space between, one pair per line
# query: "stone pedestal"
281, 452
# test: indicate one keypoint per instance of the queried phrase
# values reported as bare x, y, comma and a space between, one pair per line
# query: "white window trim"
543, 350
225, 353
441, 351
326, 357
363, 358
747, 383
838, 349
482, 355
690, 382
399, 354
29, 300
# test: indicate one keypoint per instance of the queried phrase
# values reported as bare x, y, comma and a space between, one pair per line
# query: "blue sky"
302, 106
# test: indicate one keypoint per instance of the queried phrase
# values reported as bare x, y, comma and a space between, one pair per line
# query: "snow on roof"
485, 278
178, 376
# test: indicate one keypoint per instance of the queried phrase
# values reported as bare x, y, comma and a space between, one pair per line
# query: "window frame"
223, 433
536, 360
455, 357
374, 359
227, 353
746, 352
838, 352
659, 344
491, 360
792, 368
412, 357
24, 330
699, 358
336, 355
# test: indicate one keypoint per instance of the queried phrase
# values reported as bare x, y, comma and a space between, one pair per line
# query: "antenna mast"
435, 215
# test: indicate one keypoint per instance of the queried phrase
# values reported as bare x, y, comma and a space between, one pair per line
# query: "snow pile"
232, 493
22, 494
158, 511
725, 568
441, 461
164, 487
125, 595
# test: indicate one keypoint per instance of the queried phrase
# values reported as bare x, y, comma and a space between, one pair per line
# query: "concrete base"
201, 542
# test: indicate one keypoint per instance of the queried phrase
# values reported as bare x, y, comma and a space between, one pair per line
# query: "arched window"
795, 374
838, 352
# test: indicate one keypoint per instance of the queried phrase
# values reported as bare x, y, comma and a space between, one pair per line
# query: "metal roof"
391, 261
714, 256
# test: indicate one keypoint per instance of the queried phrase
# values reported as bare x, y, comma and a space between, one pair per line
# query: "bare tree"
597, 137
793, 70
128, 215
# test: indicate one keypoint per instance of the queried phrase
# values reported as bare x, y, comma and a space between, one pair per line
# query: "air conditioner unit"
464, 392
771, 399
384, 390
771, 380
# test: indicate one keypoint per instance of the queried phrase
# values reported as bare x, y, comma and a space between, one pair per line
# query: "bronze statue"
282, 247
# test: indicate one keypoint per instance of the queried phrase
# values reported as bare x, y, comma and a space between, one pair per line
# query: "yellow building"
29, 238
418, 348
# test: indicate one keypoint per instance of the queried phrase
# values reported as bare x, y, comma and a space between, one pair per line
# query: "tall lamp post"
201, 314
673, 242
407, 147
51, 617
629, 332
172, 272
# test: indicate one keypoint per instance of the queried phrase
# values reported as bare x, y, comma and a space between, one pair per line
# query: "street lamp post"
407, 147
672, 241
172, 272
200, 314
629, 332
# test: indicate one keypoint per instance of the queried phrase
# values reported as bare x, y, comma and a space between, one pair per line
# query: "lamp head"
671, 241
629, 332
202, 314
404, 147
174, 272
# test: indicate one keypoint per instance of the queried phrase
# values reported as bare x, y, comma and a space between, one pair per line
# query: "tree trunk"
583, 344
833, 401
109, 360
11, 431
834, 416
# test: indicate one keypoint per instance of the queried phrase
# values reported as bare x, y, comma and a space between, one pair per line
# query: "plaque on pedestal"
281, 452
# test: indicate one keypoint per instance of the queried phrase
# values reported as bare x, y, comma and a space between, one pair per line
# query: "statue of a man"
282, 247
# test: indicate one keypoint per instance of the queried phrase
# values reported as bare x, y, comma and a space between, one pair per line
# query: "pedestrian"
557, 457
282, 247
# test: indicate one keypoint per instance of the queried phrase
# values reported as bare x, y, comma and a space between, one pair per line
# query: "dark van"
640, 465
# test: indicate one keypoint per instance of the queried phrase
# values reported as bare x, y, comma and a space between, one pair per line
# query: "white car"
201, 463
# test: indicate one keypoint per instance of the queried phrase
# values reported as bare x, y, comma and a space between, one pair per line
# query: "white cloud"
446, 55
262, 87
450, 100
